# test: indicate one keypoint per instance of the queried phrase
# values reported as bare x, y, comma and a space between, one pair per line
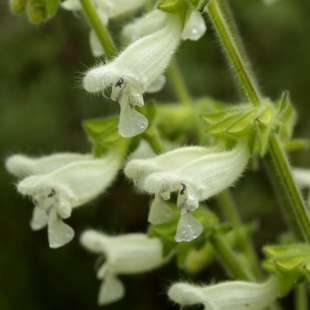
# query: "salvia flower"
196, 173
134, 71
194, 28
125, 254
232, 295
106, 9
22, 166
57, 192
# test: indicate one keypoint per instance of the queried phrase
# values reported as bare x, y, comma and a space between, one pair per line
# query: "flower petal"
59, 233
189, 228
131, 122
111, 290
159, 212
157, 85
195, 27
39, 219
95, 45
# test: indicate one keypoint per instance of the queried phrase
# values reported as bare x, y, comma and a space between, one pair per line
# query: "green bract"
289, 263
103, 133
251, 123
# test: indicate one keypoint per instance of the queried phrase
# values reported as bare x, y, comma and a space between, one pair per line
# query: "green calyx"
103, 134
254, 124
181, 8
18, 6
289, 263
38, 11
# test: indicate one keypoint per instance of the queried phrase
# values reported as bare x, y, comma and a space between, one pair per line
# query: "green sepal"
198, 5
220, 128
36, 11
51, 7
166, 231
174, 121
242, 126
103, 133
18, 6
178, 7
287, 263
197, 260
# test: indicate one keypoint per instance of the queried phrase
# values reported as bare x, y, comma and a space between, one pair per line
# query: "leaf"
51, 7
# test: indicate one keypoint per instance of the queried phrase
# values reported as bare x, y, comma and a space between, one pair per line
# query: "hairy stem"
229, 260
225, 29
301, 298
282, 179
100, 30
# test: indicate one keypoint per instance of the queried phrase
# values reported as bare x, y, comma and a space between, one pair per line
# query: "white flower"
196, 173
125, 254
106, 9
194, 28
57, 192
233, 295
134, 71
22, 166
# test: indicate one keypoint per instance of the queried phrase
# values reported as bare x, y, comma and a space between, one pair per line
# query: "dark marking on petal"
119, 83
52, 193
183, 189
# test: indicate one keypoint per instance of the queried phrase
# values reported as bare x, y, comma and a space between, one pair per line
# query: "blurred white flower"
125, 254
22, 166
61, 185
106, 9
196, 173
136, 69
194, 28
232, 295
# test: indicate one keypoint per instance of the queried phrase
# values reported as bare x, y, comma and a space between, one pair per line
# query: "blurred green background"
42, 105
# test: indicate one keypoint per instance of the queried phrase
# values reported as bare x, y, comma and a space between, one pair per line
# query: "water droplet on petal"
59, 233
131, 122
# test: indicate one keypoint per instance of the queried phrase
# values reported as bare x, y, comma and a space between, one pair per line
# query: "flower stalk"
229, 260
178, 83
101, 32
227, 33
230, 212
280, 169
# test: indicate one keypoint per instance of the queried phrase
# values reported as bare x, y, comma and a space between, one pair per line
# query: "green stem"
282, 178
301, 297
100, 30
151, 135
229, 260
224, 26
230, 212
178, 83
